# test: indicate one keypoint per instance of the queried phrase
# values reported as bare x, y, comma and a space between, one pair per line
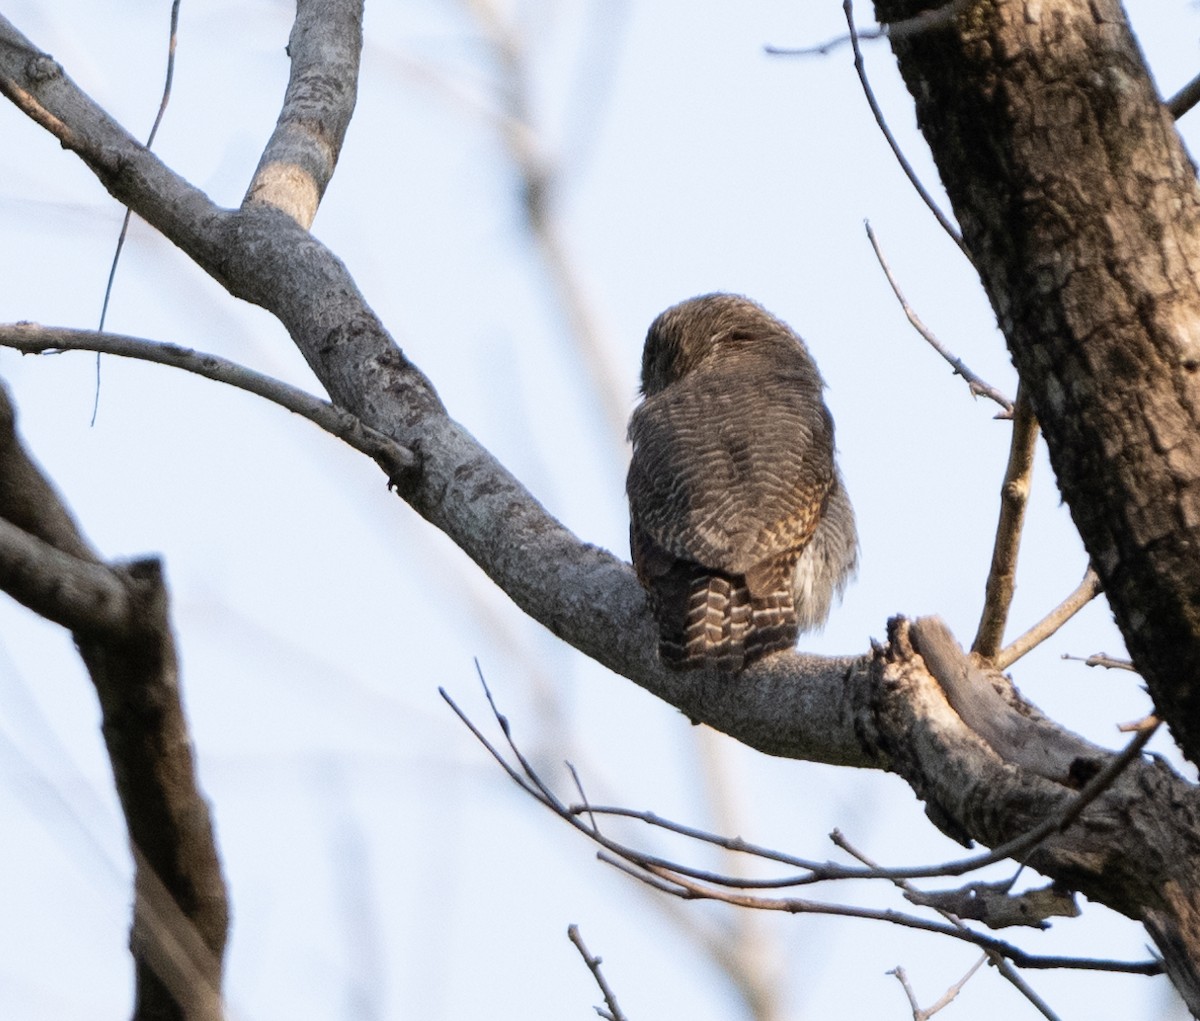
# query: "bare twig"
1014, 497
613, 1013
920, 1013
949, 995
1005, 967
31, 338
861, 68
582, 797
1104, 660
688, 884
1145, 723
162, 109
922, 22
688, 889
823, 871
1088, 589
977, 385
902, 978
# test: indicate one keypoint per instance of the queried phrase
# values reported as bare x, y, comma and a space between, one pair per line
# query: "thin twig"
1088, 589
1014, 497
1017, 848
924, 1013
689, 889
860, 68
582, 796
950, 994
902, 978
977, 385
31, 338
1103, 659
1005, 967
614, 1012
112, 271
675, 880
899, 29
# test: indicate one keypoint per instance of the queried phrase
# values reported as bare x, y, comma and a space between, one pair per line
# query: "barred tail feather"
724, 627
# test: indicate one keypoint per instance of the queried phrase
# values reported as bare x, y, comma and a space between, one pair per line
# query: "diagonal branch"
860, 68
1086, 591
583, 594
976, 383
121, 626
613, 1013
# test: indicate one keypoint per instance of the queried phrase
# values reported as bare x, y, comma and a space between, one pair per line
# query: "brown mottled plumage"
740, 526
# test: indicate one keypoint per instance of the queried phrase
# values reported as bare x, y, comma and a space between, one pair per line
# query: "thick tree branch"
181, 916
303, 151
790, 705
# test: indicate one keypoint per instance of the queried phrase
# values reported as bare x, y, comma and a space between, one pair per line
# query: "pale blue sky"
380, 866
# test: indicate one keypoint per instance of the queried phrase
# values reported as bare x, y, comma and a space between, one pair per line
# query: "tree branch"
1133, 849
1014, 497
303, 151
120, 623
1088, 589
77, 594
614, 1012
787, 705
31, 338
976, 383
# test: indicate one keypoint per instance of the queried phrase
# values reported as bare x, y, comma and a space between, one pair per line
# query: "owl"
740, 526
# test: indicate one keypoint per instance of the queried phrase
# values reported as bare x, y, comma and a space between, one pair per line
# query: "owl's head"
694, 331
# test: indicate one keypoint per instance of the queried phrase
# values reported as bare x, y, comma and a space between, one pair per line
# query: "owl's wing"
732, 471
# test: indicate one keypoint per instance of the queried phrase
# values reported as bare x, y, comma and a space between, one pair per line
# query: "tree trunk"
1080, 209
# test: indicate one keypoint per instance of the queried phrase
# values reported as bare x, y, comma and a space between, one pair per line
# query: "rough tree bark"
1079, 207
1081, 211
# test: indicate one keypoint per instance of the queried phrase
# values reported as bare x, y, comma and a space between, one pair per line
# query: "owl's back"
731, 474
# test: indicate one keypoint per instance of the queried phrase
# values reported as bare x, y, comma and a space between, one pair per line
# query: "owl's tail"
724, 626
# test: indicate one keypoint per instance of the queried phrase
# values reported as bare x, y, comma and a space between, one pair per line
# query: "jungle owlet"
740, 526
